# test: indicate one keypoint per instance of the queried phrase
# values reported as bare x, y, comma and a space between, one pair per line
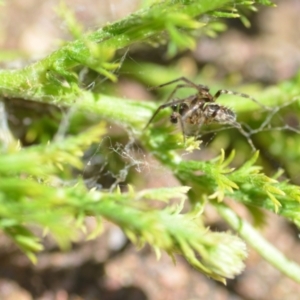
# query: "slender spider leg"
220, 92
178, 116
162, 107
245, 134
189, 113
179, 86
188, 82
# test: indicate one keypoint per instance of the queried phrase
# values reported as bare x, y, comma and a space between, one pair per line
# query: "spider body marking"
195, 112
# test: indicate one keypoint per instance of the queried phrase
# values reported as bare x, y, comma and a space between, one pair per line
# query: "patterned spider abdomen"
207, 113
215, 113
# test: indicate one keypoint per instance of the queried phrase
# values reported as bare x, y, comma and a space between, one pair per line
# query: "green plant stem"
123, 111
54, 76
257, 242
43, 78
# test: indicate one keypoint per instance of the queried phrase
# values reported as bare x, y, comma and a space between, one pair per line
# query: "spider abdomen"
215, 113
209, 113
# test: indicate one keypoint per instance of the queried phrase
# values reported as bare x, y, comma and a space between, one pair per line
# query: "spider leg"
162, 107
245, 134
190, 112
188, 82
179, 86
220, 92
179, 117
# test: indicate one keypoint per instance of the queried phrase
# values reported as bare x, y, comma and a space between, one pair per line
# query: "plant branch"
257, 242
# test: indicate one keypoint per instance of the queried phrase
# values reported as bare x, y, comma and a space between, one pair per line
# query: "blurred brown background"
110, 268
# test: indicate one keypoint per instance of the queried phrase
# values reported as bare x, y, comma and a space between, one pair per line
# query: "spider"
200, 108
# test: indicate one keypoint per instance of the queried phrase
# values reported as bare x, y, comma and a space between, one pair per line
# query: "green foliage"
40, 193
